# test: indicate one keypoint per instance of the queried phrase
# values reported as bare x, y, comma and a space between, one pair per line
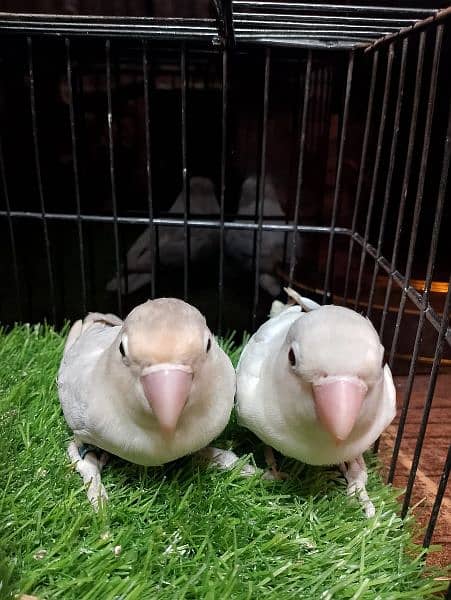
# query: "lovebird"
150, 389
311, 383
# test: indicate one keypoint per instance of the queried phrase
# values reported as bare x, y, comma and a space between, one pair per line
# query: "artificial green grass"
184, 531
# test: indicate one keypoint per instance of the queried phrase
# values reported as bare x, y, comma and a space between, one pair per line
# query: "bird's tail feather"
295, 298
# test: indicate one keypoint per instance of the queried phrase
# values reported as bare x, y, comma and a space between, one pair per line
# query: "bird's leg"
223, 459
90, 468
356, 476
273, 472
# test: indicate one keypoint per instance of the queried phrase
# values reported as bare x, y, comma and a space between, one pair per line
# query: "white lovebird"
150, 389
311, 384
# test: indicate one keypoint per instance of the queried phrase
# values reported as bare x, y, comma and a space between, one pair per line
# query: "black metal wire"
380, 139
261, 183
338, 175
406, 178
428, 401
425, 297
438, 500
76, 174
394, 142
420, 186
335, 8
185, 179
308, 71
117, 253
222, 189
12, 236
34, 125
152, 236
362, 167
175, 222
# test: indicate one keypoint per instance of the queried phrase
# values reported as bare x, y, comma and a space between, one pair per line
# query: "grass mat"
183, 530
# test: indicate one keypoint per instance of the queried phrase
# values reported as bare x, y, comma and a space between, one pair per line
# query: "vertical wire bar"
112, 175
438, 500
295, 233
185, 189
338, 175
406, 178
428, 401
37, 158
261, 184
223, 186
420, 188
152, 238
380, 139
76, 173
361, 172
425, 297
12, 236
394, 143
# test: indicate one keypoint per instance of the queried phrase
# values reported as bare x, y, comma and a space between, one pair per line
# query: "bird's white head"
338, 353
163, 344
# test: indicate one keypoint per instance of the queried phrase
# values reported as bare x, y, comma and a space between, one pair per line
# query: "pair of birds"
310, 383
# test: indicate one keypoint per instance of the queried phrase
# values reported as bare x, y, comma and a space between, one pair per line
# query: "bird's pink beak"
338, 401
167, 387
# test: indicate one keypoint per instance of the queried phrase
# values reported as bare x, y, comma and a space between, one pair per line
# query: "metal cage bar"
152, 233
224, 99
261, 183
12, 237
34, 126
338, 176
308, 71
112, 175
393, 147
374, 180
406, 179
361, 173
185, 179
438, 500
432, 252
73, 136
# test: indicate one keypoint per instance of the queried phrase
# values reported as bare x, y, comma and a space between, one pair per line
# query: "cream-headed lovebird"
150, 389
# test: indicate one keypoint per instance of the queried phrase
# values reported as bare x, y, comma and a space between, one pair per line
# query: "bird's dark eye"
121, 349
208, 344
291, 357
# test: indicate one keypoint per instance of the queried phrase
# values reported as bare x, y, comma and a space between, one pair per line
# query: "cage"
220, 151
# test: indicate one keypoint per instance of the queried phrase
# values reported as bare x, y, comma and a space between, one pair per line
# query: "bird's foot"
224, 460
356, 476
273, 473
90, 468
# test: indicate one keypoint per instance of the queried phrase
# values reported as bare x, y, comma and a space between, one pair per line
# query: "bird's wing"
80, 326
263, 343
389, 399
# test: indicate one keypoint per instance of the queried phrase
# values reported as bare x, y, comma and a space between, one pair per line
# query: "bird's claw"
224, 459
356, 476
97, 495
275, 475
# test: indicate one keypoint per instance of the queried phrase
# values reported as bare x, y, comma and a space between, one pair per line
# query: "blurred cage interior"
218, 151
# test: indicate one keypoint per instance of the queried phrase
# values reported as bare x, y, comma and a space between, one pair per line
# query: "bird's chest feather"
138, 439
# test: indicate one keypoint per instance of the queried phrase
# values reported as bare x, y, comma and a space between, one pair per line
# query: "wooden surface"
438, 437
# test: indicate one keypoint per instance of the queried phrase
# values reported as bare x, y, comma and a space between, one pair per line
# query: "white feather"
104, 404
277, 405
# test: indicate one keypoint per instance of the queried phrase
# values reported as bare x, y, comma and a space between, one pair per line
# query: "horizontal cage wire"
220, 157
